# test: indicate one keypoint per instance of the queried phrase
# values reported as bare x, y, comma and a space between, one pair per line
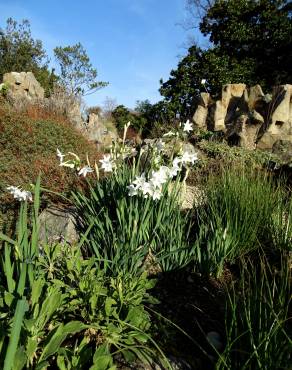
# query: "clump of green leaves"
236, 218
231, 154
257, 328
123, 230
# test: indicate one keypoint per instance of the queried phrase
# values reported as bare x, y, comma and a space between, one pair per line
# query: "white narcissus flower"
60, 155
188, 127
203, 81
132, 190
160, 177
157, 194
107, 164
21, 195
140, 181
169, 133
189, 158
176, 162
85, 170
147, 189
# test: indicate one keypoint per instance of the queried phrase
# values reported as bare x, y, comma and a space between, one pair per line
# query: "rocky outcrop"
279, 126
24, 85
98, 132
23, 90
200, 116
247, 116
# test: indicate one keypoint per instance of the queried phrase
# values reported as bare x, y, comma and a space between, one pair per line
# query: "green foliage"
254, 33
250, 43
155, 117
19, 52
4, 89
236, 219
77, 74
256, 324
124, 231
228, 155
122, 115
59, 309
28, 146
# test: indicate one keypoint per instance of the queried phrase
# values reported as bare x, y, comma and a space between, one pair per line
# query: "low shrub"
28, 146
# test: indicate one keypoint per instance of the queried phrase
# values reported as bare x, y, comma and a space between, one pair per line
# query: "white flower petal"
85, 170
188, 127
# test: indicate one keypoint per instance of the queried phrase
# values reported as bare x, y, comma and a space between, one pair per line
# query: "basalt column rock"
247, 116
232, 94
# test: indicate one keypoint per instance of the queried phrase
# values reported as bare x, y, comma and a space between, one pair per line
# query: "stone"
24, 85
201, 113
219, 116
215, 340
280, 120
247, 117
282, 112
191, 196
283, 149
205, 99
255, 94
200, 117
98, 132
232, 94
230, 91
58, 225
73, 112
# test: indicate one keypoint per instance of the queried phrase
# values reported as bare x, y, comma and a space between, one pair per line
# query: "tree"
77, 73
251, 42
109, 105
259, 30
19, 52
122, 115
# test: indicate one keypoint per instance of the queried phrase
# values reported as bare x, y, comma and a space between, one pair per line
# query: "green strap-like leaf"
21, 308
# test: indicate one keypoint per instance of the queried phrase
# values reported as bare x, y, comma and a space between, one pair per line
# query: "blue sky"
132, 43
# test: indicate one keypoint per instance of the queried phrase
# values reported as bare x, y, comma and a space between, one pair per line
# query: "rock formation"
24, 90
98, 132
247, 116
23, 84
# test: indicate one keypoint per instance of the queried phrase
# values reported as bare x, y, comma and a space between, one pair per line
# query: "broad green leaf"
108, 305
20, 359
36, 290
103, 362
31, 347
8, 298
59, 336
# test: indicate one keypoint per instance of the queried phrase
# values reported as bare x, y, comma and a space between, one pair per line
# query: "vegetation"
250, 42
19, 52
42, 132
77, 74
93, 305
149, 283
